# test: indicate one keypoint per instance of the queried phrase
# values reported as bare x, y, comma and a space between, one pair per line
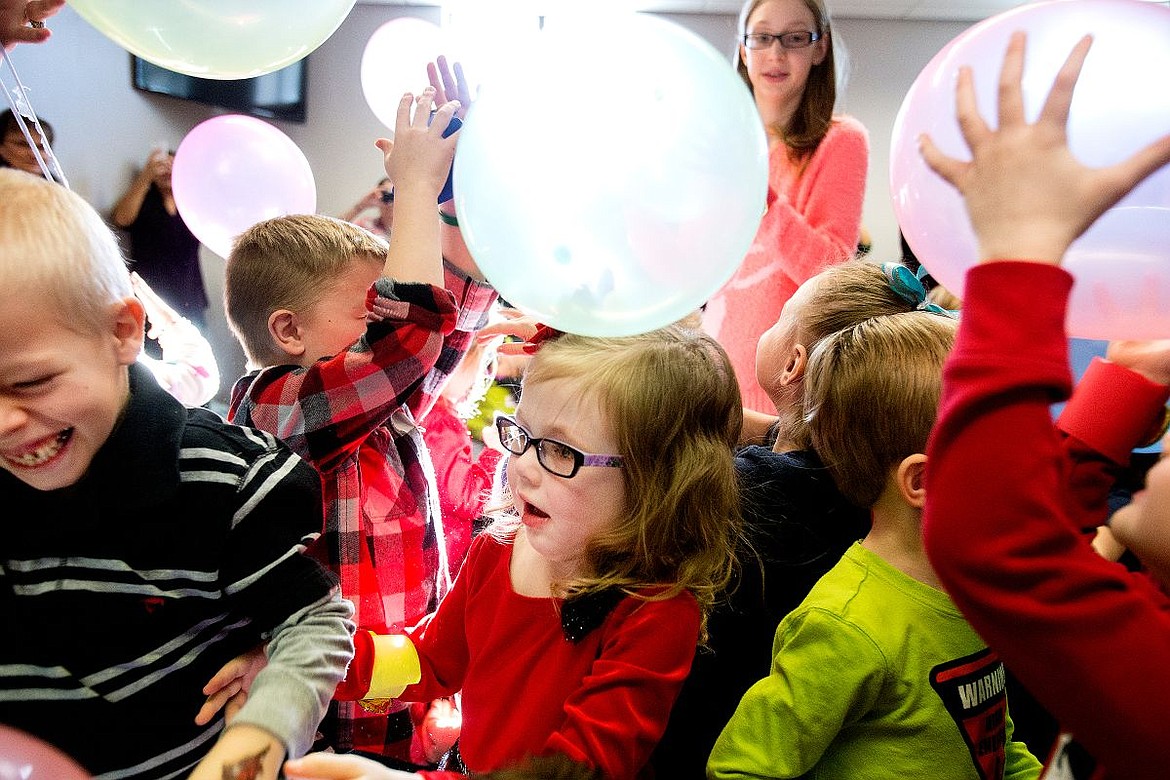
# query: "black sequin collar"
581, 614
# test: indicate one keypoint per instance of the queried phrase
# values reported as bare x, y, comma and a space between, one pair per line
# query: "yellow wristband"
395, 666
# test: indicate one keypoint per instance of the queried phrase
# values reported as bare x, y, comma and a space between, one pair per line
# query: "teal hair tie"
908, 286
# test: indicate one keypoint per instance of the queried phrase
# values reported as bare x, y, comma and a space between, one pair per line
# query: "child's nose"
12, 415
525, 468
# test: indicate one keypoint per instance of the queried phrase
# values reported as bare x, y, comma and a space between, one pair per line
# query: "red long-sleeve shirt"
1008, 497
528, 690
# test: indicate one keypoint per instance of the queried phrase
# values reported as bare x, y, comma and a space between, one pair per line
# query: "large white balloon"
615, 181
217, 39
1122, 263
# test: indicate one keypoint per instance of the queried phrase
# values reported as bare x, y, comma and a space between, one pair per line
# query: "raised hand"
1027, 196
419, 153
449, 86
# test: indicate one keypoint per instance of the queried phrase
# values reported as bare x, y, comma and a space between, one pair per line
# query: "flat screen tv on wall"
276, 95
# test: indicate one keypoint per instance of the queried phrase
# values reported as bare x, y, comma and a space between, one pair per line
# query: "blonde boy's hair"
872, 393
674, 404
53, 244
287, 263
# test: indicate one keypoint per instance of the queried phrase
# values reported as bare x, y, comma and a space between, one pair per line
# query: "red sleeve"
441, 637
818, 224
1089, 639
1111, 409
614, 720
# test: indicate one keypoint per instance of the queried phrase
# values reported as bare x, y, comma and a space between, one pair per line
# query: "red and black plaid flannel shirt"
352, 417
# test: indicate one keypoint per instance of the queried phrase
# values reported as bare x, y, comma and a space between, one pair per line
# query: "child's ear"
911, 480
129, 329
797, 362
285, 329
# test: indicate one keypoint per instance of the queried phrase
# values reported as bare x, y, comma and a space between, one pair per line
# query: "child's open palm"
1028, 197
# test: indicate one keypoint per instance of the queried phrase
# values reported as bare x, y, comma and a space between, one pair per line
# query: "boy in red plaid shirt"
351, 343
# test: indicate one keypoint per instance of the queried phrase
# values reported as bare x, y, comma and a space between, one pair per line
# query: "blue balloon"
612, 192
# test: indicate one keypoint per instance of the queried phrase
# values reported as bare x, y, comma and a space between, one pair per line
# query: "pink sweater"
812, 221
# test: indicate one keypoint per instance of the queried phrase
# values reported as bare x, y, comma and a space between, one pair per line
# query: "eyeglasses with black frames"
790, 40
554, 456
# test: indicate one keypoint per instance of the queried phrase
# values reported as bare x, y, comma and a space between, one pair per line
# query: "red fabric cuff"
1114, 409
356, 684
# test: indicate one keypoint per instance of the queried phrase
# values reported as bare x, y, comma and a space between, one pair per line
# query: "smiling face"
61, 392
778, 76
561, 516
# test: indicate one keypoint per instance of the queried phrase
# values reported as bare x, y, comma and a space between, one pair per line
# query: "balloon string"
17, 95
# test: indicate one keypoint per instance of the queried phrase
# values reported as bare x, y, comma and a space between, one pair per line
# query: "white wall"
80, 81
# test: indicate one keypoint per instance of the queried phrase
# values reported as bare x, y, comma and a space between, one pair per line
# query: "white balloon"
217, 39
610, 195
394, 62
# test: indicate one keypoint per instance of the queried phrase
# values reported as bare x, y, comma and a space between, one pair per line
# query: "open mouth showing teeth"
44, 452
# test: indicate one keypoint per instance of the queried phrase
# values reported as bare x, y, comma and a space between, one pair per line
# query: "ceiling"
949, 10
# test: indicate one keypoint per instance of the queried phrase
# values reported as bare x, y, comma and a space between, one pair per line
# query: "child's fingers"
971, 124
426, 99
450, 89
1059, 100
216, 702
234, 705
948, 168
433, 78
520, 328
443, 116
1011, 94
230, 672
464, 92
402, 119
1119, 179
332, 766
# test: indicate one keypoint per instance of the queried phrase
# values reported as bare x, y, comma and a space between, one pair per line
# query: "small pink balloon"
233, 171
24, 757
1122, 263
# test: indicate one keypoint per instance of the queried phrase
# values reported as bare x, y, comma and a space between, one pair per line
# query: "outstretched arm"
417, 161
999, 525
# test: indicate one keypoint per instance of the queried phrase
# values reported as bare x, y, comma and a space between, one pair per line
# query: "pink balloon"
1122, 263
233, 171
24, 757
